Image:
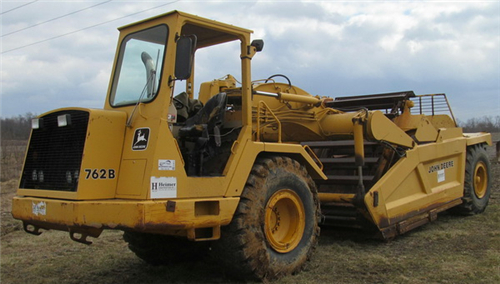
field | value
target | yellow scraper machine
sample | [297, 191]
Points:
[247, 169]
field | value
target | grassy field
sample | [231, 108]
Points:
[451, 250]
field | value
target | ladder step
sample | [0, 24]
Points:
[331, 218]
[342, 179]
[349, 160]
[336, 143]
[353, 178]
[340, 221]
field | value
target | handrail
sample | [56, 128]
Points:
[434, 106]
[313, 156]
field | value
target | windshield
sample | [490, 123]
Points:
[138, 70]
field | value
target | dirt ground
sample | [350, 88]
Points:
[452, 249]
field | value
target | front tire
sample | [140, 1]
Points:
[275, 228]
[477, 183]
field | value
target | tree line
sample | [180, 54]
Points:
[485, 123]
[18, 127]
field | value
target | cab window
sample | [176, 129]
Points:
[139, 67]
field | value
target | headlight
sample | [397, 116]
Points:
[63, 120]
[36, 123]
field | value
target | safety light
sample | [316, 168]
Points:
[69, 179]
[36, 123]
[41, 177]
[63, 120]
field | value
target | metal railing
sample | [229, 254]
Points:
[432, 104]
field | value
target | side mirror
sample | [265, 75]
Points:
[258, 44]
[184, 57]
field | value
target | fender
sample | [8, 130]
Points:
[251, 151]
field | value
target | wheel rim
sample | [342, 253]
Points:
[480, 180]
[285, 220]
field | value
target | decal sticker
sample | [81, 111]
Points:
[163, 187]
[441, 166]
[100, 173]
[141, 139]
[39, 208]
[441, 176]
[166, 165]
[171, 117]
[440, 169]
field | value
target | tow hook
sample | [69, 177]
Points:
[80, 236]
[31, 229]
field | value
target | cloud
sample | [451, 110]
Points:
[333, 48]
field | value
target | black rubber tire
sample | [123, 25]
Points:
[244, 249]
[472, 203]
[161, 249]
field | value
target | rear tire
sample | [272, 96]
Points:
[274, 230]
[158, 249]
[477, 183]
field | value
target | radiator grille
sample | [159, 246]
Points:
[55, 153]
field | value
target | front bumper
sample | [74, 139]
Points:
[197, 219]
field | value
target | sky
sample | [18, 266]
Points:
[60, 53]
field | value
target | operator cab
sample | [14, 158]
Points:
[207, 126]
[154, 77]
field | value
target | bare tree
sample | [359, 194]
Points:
[485, 123]
[16, 128]
[15, 132]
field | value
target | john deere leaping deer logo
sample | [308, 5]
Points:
[141, 138]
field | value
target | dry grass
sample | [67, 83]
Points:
[451, 250]
[11, 160]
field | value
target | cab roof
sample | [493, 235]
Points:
[208, 32]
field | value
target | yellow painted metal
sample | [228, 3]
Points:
[441, 121]
[298, 153]
[338, 124]
[210, 89]
[480, 179]
[149, 215]
[476, 138]
[102, 151]
[113, 147]
[263, 107]
[284, 221]
[381, 128]
[425, 131]
[450, 133]
[163, 145]
[336, 197]
[313, 156]
[428, 177]
[298, 98]
[131, 178]
[359, 148]
[250, 150]
[302, 122]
